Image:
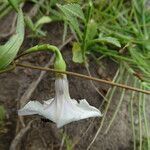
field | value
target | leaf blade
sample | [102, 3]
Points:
[9, 50]
[73, 9]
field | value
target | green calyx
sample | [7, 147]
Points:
[59, 63]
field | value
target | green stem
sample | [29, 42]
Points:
[107, 107]
[84, 43]
[59, 63]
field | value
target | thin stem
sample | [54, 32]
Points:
[140, 121]
[25, 53]
[59, 62]
[132, 115]
[117, 109]
[145, 122]
[84, 43]
[111, 91]
[105, 112]
[94, 86]
[85, 77]
[44, 47]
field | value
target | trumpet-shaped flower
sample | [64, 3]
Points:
[61, 109]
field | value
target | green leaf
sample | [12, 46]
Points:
[140, 59]
[91, 30]
[77, 53]
[15, 4]
[2, 114]
[29, 23]
[9, 50]
[72, 9]
[73, 1]
[110, 40]
[42, 20]
[75, 26]
[73, 22]
[53, 3]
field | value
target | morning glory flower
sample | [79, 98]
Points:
[61, 109]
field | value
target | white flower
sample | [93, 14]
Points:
[61, 109]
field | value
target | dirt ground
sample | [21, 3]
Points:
[45, 135]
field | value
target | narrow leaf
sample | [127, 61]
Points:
[110, 40]
[15, 4]
[11, 48]
[29, 23]
[43, 20]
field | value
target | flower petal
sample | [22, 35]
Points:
[48, 102]
[34, 107]
[74, 111]
[61, 109]
[85, 105]
[31, 108]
